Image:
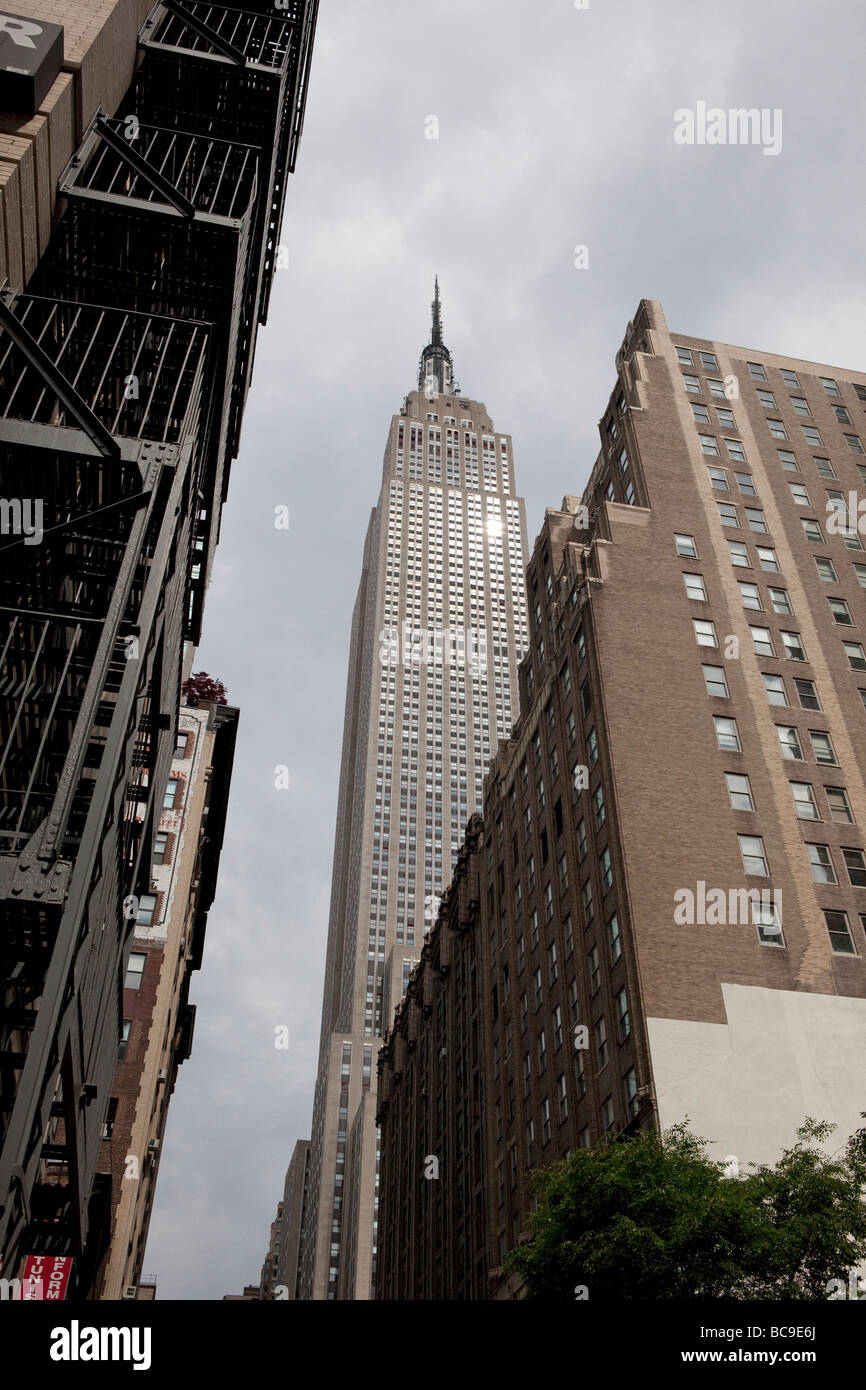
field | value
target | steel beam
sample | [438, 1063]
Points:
[56, 381]
[158, 182]
[228, 50]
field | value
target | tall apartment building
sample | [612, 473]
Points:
[438, 627]
[141, 193]
[294, 1221]
[662, 912]
[168, 944]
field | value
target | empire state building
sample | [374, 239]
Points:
[438, 631]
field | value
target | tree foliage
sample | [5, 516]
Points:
[201, 686]
[651, 1217]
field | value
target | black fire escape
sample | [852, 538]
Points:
[124, 370]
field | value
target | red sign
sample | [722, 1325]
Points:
[46, 1276]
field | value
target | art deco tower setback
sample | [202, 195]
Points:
[438, 630]
[661, 915]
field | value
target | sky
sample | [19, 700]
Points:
[554, 129]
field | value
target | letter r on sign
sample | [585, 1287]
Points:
[20, 31]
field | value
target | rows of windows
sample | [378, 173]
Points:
[795, 744]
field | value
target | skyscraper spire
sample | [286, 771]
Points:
[436, 340]
[436, 372]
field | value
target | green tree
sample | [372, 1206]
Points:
[650, 1217]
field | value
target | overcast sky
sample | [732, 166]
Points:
[555, 130]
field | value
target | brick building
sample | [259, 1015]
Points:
[158, 1020]
[662, 911]
[143, 175]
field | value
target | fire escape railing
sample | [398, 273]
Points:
[124, 371]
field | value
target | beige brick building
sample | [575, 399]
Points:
[663, 911]
[100, 45]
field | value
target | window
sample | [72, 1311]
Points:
[854, 444]
[807, 693]
[781, 602]
[824, 467]
[756, 519]
[801, 405]
[856, 656]
[604, 866]
[762, 640]
[841, 612]
[592, 747]
[601, 1043]
[542, 1053]
[841, 414]
[822, 747]
[860, 571]
[829, 385]
[839, 932]
[691, 383]
[598, 804]
[790, 378]
[171, 789]
[727, 734]
[840, 806]
[684, 357]
[715, 681]
[146, 909]
[794, 649]
[788, 461]
[709, 444]
[705, 632]
[750, 596]
[813, 436]
[766, 399]
[708, 361]
[594, 970]
[777, 429]
[717, 389]
[581, 842]
[812, 530]
[608, 1118]
[124, 1039]
[799, 494]
[768, 560]
[614, 940]
[160, 845]
[726, 417]
[775, 688]
[686, 546]
[826, 570]
[804, 801]
[855, 863]
[735, 451]
[135, 970]
[728, 514]
[621, 1000]
[701, 414]
[552, 967]
[586, 899]
[632, 1104]
[822, 864]
[756, 371]
[789, 741]
[754, 858]
[739, 792]
[746, 484]
[719, 479]
[739, 554]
